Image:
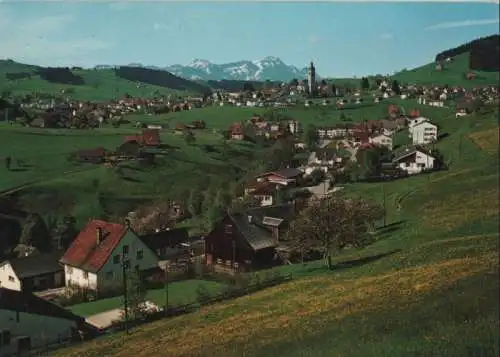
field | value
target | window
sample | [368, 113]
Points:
[70, 270]
[85, 275]
[125, 250]
[228, 229]
[109, 275]
[11, 278]
[116, 259]
[139, 254]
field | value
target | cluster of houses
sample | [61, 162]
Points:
[84, 114]
[102, 252]
[258, 126]
[365, 135]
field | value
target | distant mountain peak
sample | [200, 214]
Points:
[268, 68]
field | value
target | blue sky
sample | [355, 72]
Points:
[343, 39]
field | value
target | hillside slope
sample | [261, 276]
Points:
[427, 287]
[95, 84]
[453, 74]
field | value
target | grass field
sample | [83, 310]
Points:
[99, 85]
[453, 74]
[57, 187]
[179, 293]
[428, 287]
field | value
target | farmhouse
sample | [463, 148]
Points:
[285, 177]
[32, 273]
[414, 161]
[168, 244]
[149, 137]
[95, 258]
[247, 241]
[382, 140]
[424, 133]
[29, 322]
[94, 156]
[263, 192]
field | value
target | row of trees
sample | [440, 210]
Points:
[333, 223]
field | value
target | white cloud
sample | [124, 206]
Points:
[314, 39]
[34, 41]
[387, 36]
[464, 23]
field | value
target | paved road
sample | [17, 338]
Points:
[107, 318]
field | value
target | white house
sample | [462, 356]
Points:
[414, 161]
[415, 121]
[32, 273]
[382, 140]
[29, 322]
[95, 258]
[424, 133]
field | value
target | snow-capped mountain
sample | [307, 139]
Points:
[268, 68]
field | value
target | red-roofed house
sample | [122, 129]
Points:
[149, 137]
[94, 259]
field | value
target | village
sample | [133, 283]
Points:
[251, 235]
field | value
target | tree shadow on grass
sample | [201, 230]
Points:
[354, 262]
[18, 169]
[131, 179]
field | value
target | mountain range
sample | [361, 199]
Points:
[268, 68]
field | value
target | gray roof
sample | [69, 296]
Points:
[273, 222]
[36, 265]
[288, 173]
[258, 238]
[284, 212]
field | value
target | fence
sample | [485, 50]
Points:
[232, 293]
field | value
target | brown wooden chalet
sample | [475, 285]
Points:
[247, 241]
[94, 156]
[149, 137]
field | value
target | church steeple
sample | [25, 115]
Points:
[311, 79]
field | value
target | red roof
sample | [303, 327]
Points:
[151, 136]
[86, 254]
[133, 138]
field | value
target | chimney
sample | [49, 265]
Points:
[99, 235]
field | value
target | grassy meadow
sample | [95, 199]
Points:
[453, 74]
[179, 293]
[427, 287]
[102, 84]
[52, 185]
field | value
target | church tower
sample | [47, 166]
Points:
[311, 79]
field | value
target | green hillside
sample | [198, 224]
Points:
[102, 84]
[427, 287]
[453, 74]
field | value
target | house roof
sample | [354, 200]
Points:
[272, 222]
[167, 238]
[257, 237]
[284, 211]
[264, 188]
[409, 153]
[35, 265]
[151, 136]
[86, 254]
[287, 173]
[14, 300]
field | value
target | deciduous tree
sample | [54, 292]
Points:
[330, 224]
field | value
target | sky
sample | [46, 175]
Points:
[343, 39]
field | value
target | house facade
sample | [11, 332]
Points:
[382, 140]
[95, 259]
[32, 273]
[415, 161]
[29, 322]
[424, 133]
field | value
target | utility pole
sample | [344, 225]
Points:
[385, 204]
[234, 253]
[166, 289]
[125, 265]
